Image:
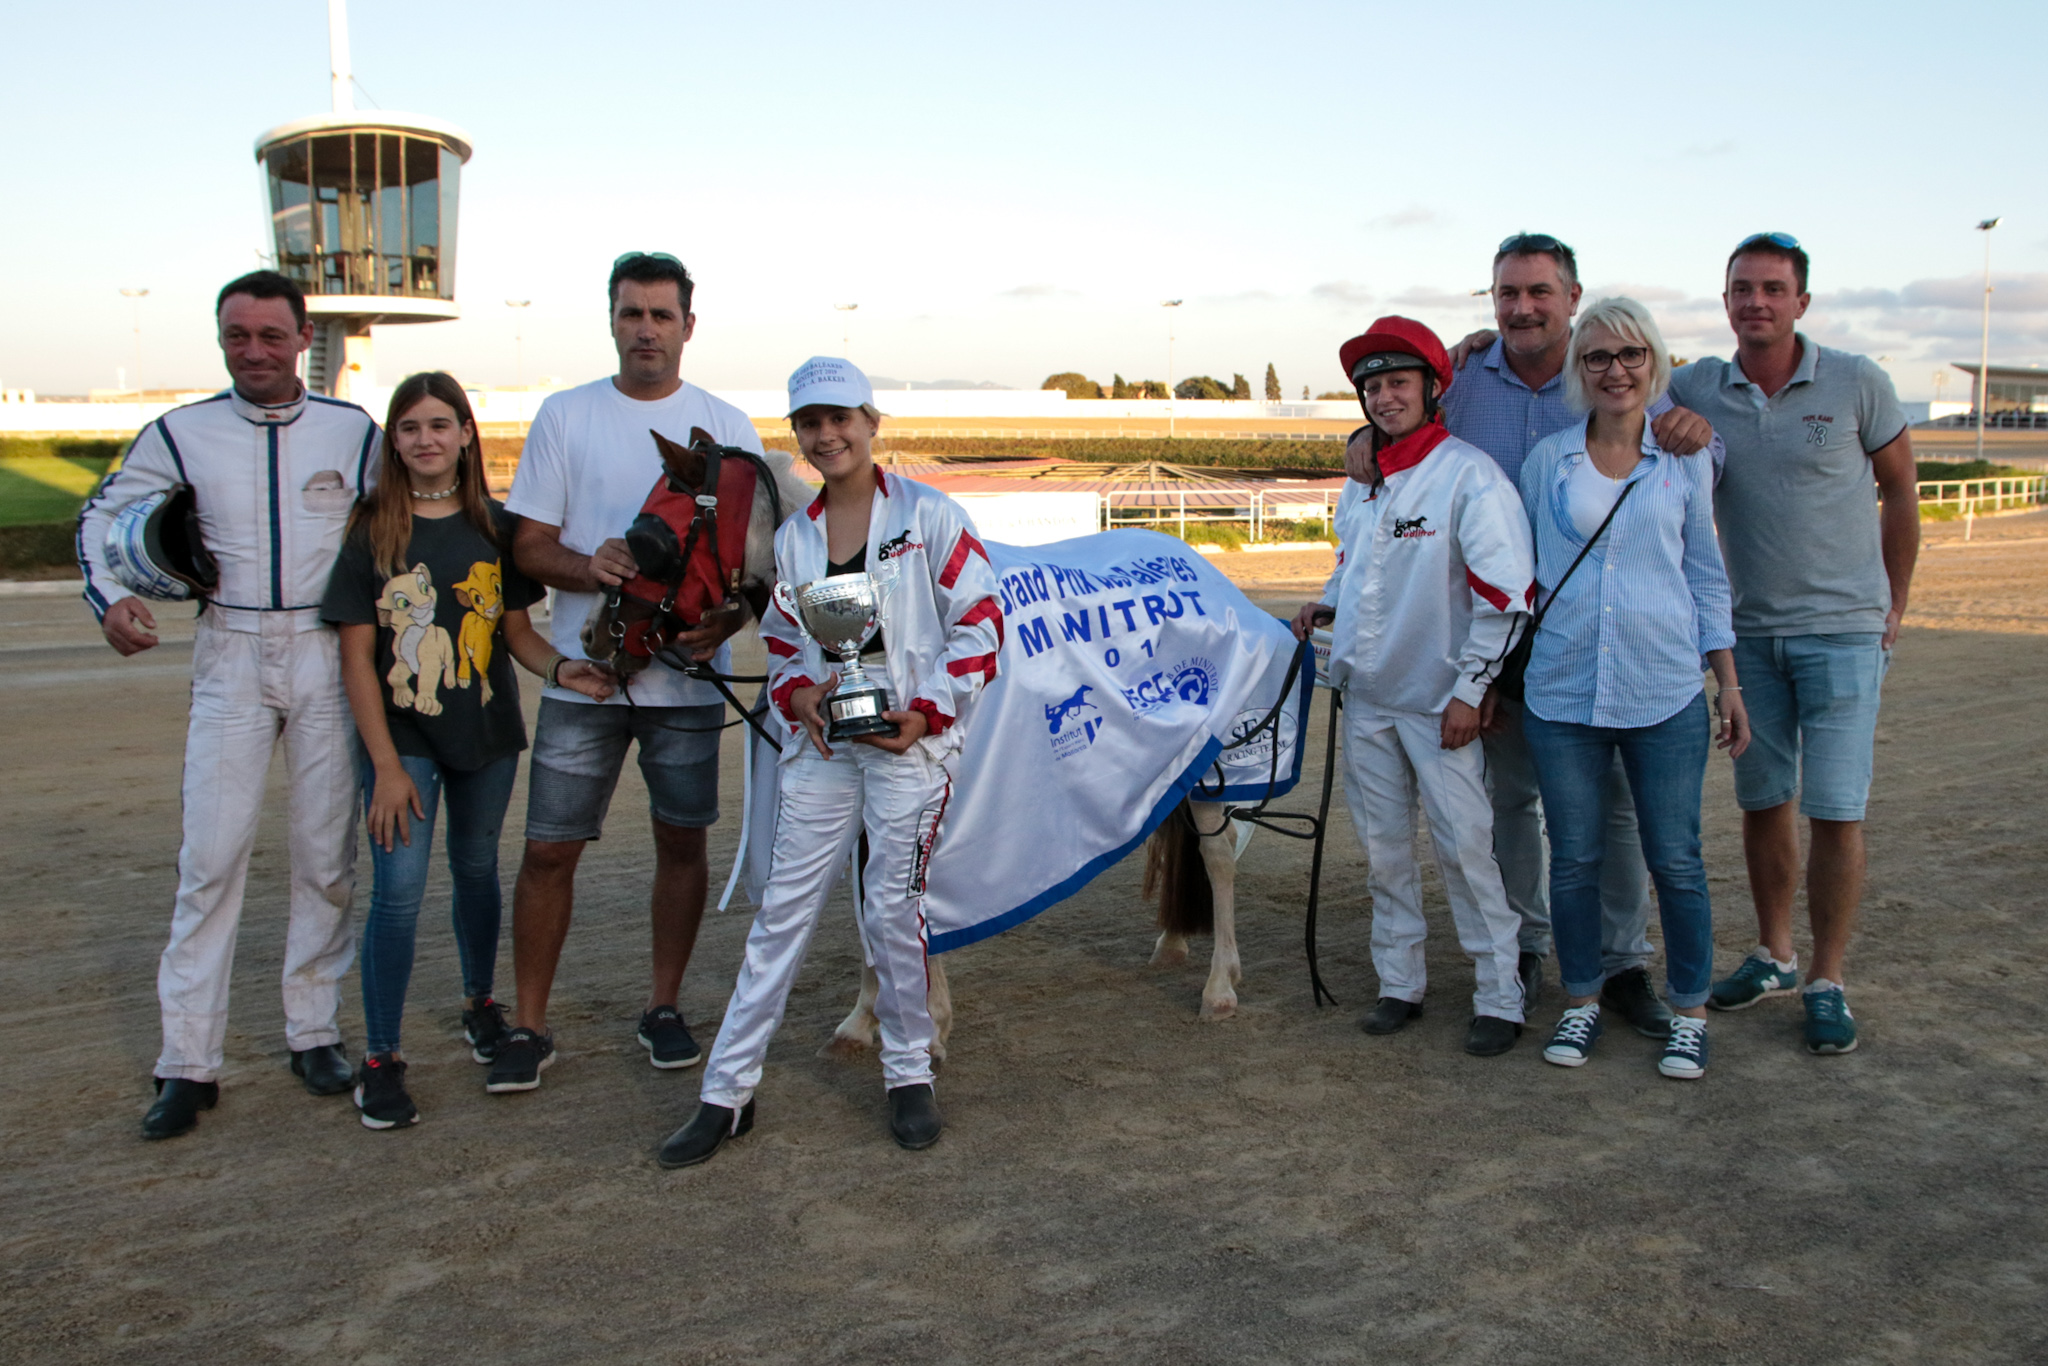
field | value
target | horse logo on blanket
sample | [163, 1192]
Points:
[1056, 715]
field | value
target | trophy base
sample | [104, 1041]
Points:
[852, 730]
[858, 713]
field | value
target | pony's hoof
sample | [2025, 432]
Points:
[1220, 1009]
[845, 1048]
[1170, 955]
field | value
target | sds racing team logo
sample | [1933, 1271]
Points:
[1192, 681]
[1067, 741]
[1249, 741]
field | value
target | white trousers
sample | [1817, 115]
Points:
[1389, 757]
[248, 690]
[901, 800]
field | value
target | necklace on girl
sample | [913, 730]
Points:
[448, 492]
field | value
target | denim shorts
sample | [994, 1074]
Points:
[1813, 719]
[579, 749]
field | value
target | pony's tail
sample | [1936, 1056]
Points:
[1175, 873]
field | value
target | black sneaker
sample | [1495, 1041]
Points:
[1628, 993]
[380, 1093]
[521, 1058]
[669, 1045]
[484, 1026]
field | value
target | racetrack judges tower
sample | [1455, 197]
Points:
[362, 213]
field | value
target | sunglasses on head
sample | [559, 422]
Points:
[1532, 241]
[1776, 239]
[630, 257]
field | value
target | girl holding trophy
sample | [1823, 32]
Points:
[888, 569]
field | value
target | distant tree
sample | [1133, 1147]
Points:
[1119, 389]
[1334, 396]
[1240, 387]
[1077, 385]
[1153, 389]
[1304, 393]
[1199, 386]
[1272, 384]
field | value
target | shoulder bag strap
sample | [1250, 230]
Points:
[1591, 541]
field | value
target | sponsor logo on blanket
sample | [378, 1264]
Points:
[1190, 681]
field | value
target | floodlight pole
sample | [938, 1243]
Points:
[1984, 351]
[135, 298]
[846, 340]
[1169, 303]
[518, 340]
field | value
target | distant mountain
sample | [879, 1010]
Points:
[884, 382]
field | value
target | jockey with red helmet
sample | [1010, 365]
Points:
[1432, 585]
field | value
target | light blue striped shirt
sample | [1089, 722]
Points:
[1623, 646]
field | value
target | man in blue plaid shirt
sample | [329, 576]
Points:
[1509, 395]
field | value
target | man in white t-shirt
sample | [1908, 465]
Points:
[586, 470]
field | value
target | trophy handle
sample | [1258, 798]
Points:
[785, 598]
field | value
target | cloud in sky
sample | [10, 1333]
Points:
[1031, 293]
[1423, 296]
[1342, 292]
[1642, 294]
[1414, 216]
[2026, 293]
[1700, 150]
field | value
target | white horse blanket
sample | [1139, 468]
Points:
[1132, 674]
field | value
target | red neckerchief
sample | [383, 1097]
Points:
[1408, 452]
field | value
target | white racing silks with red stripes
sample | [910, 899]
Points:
[1433, 583]
[940, 620]
[1129, 673]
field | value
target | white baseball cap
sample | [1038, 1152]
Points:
[829, 381]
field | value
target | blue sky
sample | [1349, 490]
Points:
[1010, 192]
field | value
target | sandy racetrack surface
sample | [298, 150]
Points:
[1118, 1179]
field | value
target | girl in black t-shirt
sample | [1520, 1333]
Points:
[431, 613]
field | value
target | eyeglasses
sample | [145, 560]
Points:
[1776, 239]
[1532, 241]
[630, 257]
[1600, 362]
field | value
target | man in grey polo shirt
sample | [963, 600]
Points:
[1820, 569]
[1508, 396]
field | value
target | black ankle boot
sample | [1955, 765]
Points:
[704, 1135]
[914, 1116]
[178, 1103]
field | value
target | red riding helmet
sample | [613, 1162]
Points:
[1395, 343]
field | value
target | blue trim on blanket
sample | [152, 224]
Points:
[1052, 896]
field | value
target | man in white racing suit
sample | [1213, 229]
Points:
[1431, 588]
[942, 629]
[275, 472]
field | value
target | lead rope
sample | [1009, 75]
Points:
[1315, 827]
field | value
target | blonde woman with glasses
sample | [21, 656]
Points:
[1635, 603]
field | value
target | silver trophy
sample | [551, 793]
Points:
[842, 613]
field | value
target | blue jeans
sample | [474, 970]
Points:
[1813, 721]
[476, 815]
[1518, 845]
[1666, 764]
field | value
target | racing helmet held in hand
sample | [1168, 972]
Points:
[155, 551]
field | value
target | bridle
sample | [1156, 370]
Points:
[707, 572]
